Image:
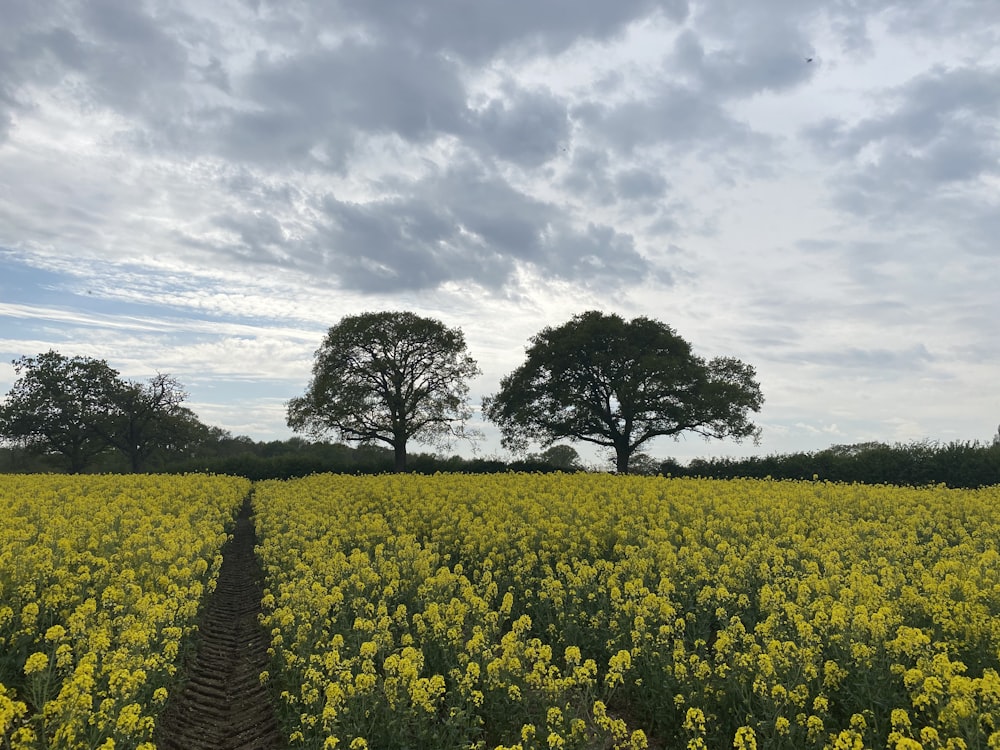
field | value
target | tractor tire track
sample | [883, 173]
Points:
[222, 705]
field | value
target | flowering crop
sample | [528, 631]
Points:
[101, 578]
[556, 611]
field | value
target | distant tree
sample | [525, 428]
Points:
[564, 457]
[60, 406]
[219, 442]
[671, 467]
[618, 384]
[149, 418]
[643, 464]
[79, 408]
[388, 377]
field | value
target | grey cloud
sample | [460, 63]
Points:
[852, 33]
[119, 54]
[936, 19]
[479, 31]
[216, 74]
[642, 192]
[8, 105]
[773, 339]
[980, 354]
[397, 68]
[785, 25]
[882, 361]
[323, 99]
[463, 225]
[280, 139]
[132, 57]
[261, 236]
[63, 47]
[958, 159]
[30, 53]
[527, 127]
[750, 63]
[640, 185]
[599, 255]
[401, 244]
[940, 129]
[665, 224]
[978, 223]
[930, 105]
[255, 191]
[589, 175]
[637, 190]
[676, 115]
[488, 206]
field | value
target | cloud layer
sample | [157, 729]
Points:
[811, 186]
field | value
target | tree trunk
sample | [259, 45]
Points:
[400, 455]
[622, 454]
[77, 459]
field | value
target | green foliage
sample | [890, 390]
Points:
[78, 411]
[149, 418]
[60, 406]
[956, 464]
[618, 384]
[388, 377]
[562, 457]
[295, 457]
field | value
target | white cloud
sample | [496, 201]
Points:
[256, 171]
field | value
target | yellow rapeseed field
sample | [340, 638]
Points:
[101, 578]
[590, 611]
[516, 611]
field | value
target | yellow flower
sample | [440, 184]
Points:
[55, 633]
[808, 588]
[37, 662]
[745, 739]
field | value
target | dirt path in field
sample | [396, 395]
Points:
[221, 704]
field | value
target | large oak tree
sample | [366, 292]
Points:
[388, 377]
[60, 406]
[615, 383]
[149, 418]
[78, 408]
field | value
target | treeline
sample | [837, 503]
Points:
[219, 452]
[390, 378]
[294, 458]
[967, 464]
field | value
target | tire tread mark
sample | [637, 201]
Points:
[222, 705]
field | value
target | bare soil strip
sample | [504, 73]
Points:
[222, 705]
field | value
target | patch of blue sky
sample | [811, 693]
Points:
[24, 283]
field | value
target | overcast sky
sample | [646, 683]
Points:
[812, 186]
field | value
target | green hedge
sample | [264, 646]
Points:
[955, 464]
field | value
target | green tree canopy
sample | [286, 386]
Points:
[60, 406]
[563, 457]
[149, 418]
[618, 384]
[388, 377]
[78, 408]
